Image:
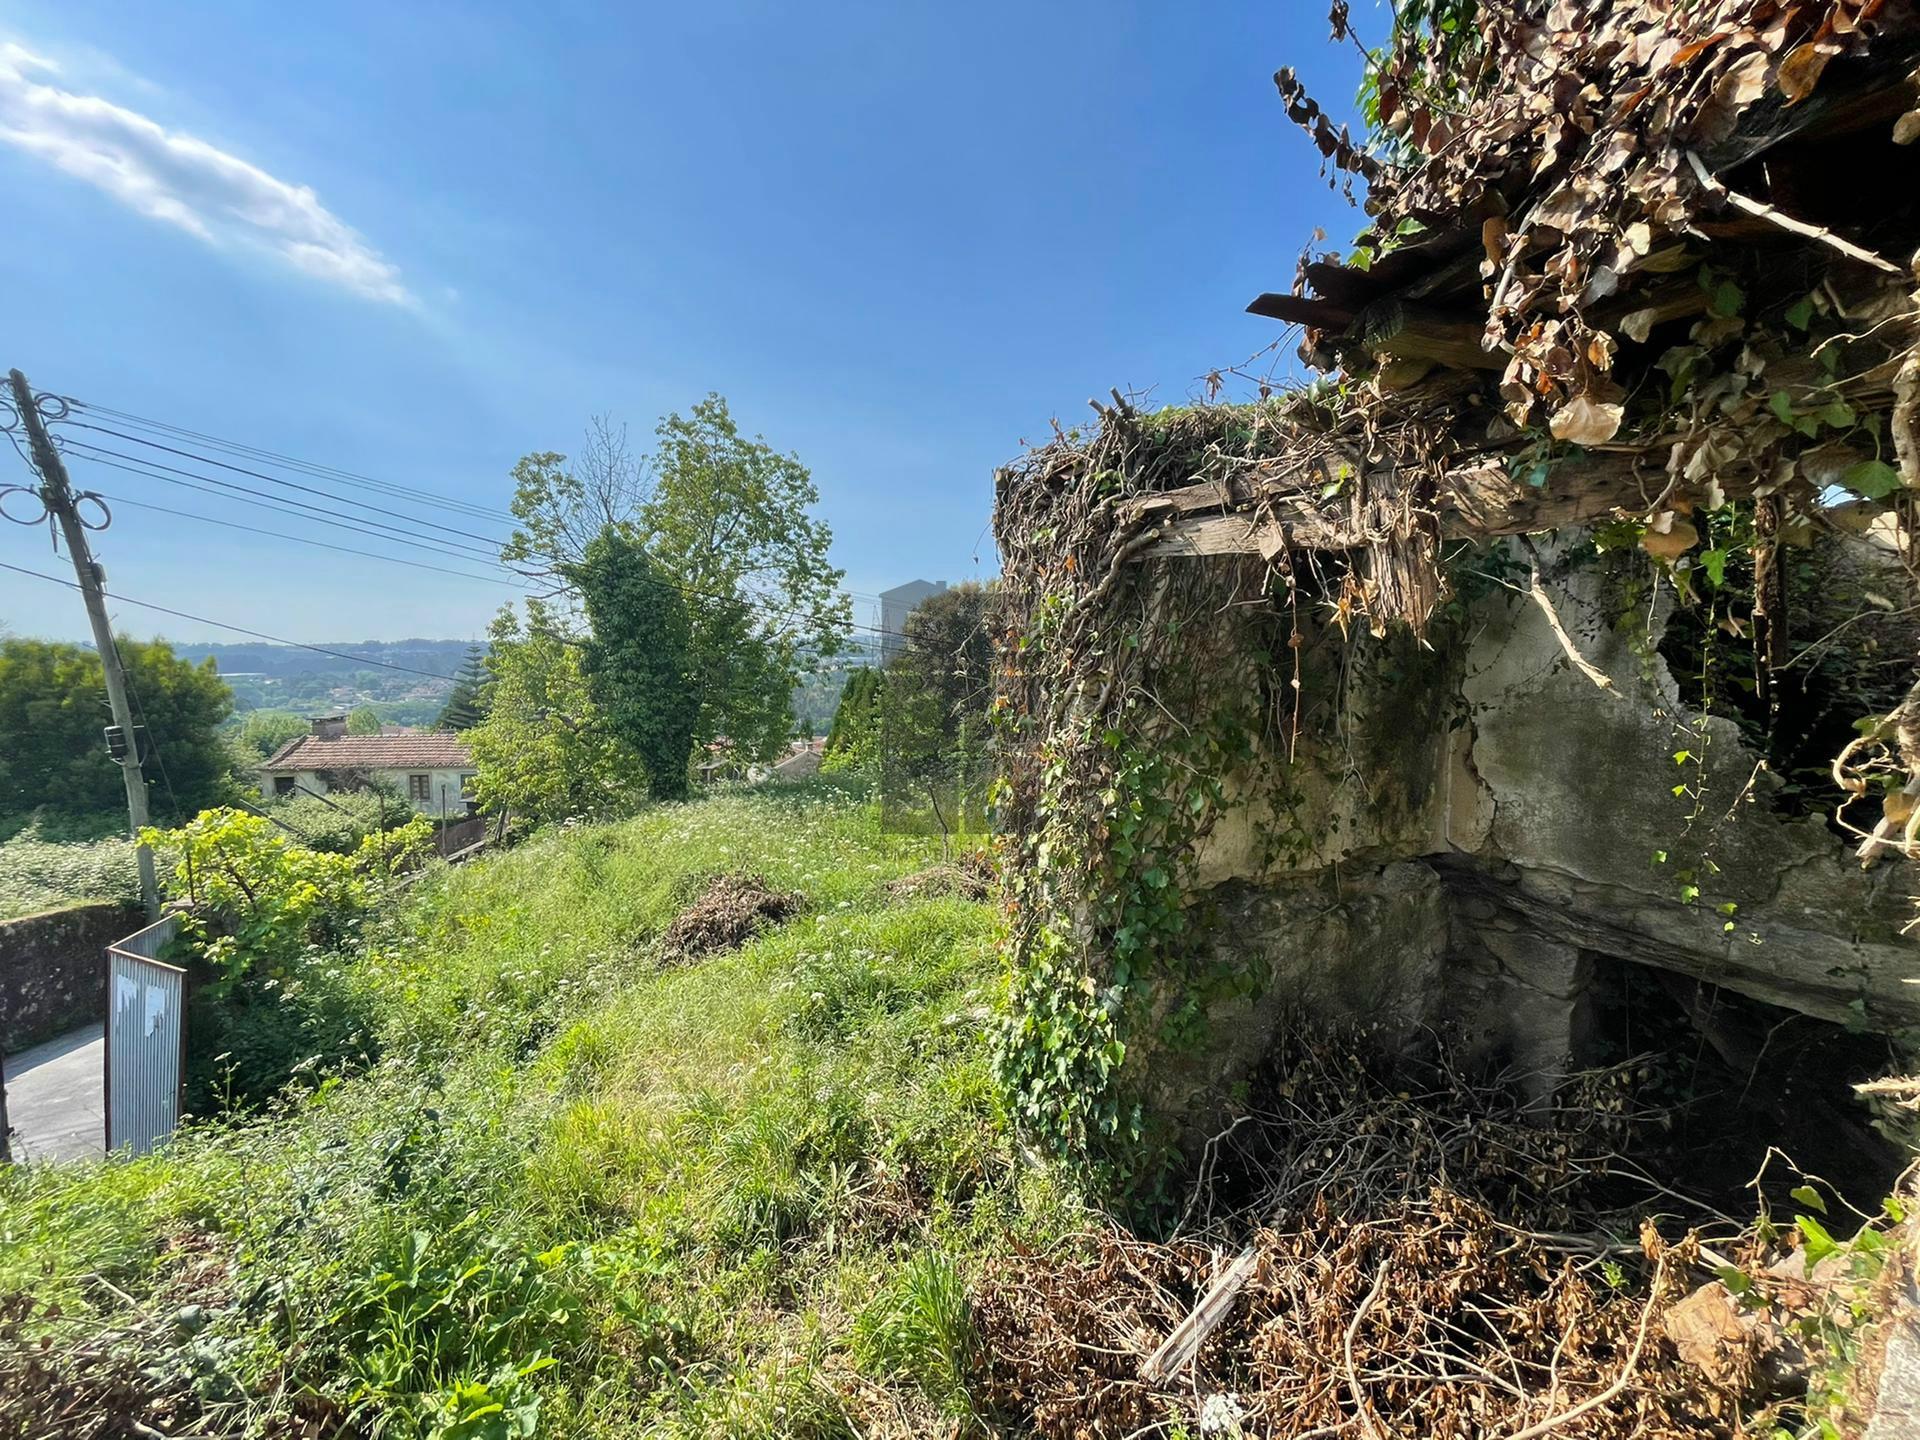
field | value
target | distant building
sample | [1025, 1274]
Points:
[895, 605]
[432, 768]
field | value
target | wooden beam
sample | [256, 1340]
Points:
[1298, 310]
[1407, 331]
[1473, 502]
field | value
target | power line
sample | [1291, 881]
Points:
[450, 548]
[489, 540]
[297, 508]
[303, 540]
[305, 467]
[493, 540]
[237, 629]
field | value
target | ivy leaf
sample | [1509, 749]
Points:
[1800, 314]
[1727, 299]
[1781, 404]
[1819, 1244]
[1714, 562]
[1838, 414]
[1871, 479]
[1808, 1196]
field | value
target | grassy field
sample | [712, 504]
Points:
[580, 1192]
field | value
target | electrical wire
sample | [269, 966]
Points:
[319, 544]
[236, 629]
[309, 467]
[297, 508]
[450, 548]
[492, 540]
[306, 467]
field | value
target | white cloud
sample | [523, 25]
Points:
[184, 181]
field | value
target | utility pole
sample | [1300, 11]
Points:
[58, 498]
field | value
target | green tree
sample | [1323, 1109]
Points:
[265, 731]
[728, 520]
[545, 750]
[933, 711]
[53, 709]
[853, 740]
[363, 720]
[466, 707]
[636, 659]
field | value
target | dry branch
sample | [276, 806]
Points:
[1761, 211]
[1191, 1333]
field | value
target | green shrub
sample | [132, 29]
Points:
[39, 871]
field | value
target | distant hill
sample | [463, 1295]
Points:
[441, 657]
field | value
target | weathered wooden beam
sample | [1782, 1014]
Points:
[1403, 330]
[1474, 501]
[1298, 310]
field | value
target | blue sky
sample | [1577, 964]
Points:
[418, 241]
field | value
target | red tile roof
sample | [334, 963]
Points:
[422, 750]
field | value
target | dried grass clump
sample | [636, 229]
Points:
[730, 911]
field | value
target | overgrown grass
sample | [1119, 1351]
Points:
[581, 1191]
[41, 868]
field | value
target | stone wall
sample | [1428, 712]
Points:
[1475, 854]
[53, 970]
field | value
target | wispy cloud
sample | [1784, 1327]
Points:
[182, 180]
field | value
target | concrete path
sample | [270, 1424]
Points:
[55, 1099]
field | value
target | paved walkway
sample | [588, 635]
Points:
[55, 1100]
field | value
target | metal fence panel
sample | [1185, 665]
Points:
[146, 1040]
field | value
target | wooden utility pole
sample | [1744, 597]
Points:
[58, 497]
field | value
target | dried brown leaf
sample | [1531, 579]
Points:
[1586, 421]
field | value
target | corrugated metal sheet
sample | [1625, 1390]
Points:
[146, 1040]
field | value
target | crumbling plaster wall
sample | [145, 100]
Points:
[1484, 842]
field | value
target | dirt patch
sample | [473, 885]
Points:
[970, 877]
[729, 912]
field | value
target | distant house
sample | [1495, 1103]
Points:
[801, 760]
[895, 605]
[432, 768]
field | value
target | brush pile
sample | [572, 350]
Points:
[730, 911]
[1435, 1263]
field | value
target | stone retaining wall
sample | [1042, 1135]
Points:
[53, 970]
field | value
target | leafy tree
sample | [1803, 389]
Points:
[636, 660]
[545, 750]
[933, 711]
[363, 720]
[53, 708]
[853, 739]
[466, 707]
[949, 649]
[265, 731]
[727, 520]
[562, 508]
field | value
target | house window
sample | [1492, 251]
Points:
[419, 787]
[283, 785]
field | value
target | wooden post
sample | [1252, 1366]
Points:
[58, 498]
